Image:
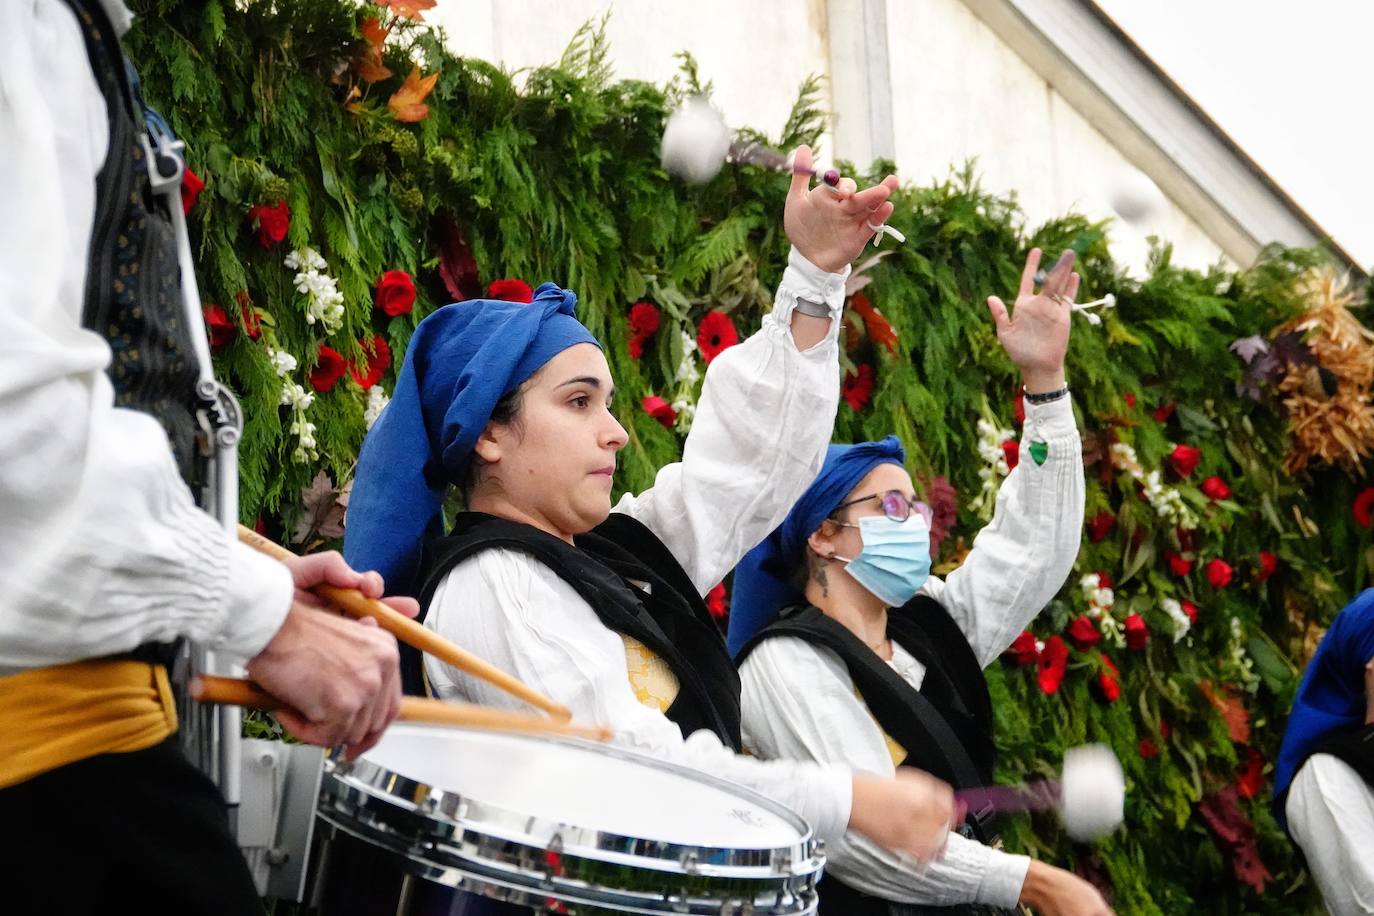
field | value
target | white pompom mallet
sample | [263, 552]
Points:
[696, 144]
[1090, 796]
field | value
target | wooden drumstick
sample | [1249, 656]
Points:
[209, 688]
[356, 604]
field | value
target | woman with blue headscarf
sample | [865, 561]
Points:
[1324, 782]
[602, 610]
[850, 652]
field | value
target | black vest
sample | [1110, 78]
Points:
[1354, 746]
[946, 727]
[133, 280]
[604, 568]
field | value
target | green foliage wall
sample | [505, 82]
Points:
[553, 175]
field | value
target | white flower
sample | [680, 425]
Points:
[1181, 622]
[296, 396]
[283, 362]
[376, 401]
[1039, 646]
[1090, 582]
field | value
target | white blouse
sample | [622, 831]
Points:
[1330, 812]
[800, 703]
[757, 441]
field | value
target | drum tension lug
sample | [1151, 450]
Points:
[688, 861]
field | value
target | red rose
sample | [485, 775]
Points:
[1364, 508]
[1191, 610]
[272, 222]
[1250, 777]
[716, 333]
[1053, 662]
[1268, 564]
[644, 318]
[1104, 579]
[644, 324]
[1162, 414]
[715, 602]
[191, 186]
[1137, 634]
[1083, 633]
[1130, 399]
[1164, 730]
[219, 327]
[1219, 573]
[1019, 408]
[1108, 682]
[1184, 460]
[1100, 526]
[1022, 649]
[1180, 566]
[252, 319]
[378, 361]
[1215, 488]
[858, 388]
[328, 369]
[1011, 449]
[395, 293]
[1147, 749]
[510, 291]
[660, 410]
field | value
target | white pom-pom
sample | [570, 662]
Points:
[1135, 197]
[1092, 792]
[695, 141]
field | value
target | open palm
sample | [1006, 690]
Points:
[1036, 333]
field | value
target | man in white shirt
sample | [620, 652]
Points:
[105, 559]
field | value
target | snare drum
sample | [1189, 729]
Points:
[449, 821]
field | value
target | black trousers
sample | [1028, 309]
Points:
[143, 832]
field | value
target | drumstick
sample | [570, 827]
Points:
[356, 604]
[209, 688]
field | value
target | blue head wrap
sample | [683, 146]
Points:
[763, 579]
[461, 361]
[1331, 695]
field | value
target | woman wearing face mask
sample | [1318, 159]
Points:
[851, 653]
[603, 610]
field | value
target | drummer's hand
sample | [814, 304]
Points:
[338, 678]
[1053, 891]
[329, 568]
[910, 813]
[830, 227]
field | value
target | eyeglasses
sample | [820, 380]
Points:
[896, 506]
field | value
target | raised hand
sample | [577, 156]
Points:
[1036, 334]
[830, 227]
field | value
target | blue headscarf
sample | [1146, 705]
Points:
[1331, 696]
[461, 361]
[763, 579]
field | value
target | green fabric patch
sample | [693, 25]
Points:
[1039, 452]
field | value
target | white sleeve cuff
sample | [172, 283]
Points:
[1052, 419]
[260, 594]
[804, 280]
[1003, 879]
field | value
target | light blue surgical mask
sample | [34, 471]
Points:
[895, 560]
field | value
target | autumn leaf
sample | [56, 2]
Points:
[408, 9]
[370, 66]
[323, 514]
[1231, 709]
[407, 103]
[878, 328]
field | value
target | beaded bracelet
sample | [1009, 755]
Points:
[1047, 396]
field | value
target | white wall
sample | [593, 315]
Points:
[956, 91]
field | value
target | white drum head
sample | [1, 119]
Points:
[607, 789]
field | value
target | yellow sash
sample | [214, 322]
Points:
[61, 714]
[654, 683]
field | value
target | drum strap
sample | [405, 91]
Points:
[58, 715]
[607, 568]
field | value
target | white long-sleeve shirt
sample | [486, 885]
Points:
[101, 545]
[757, 442]
[1330, 812]
[799, 702]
